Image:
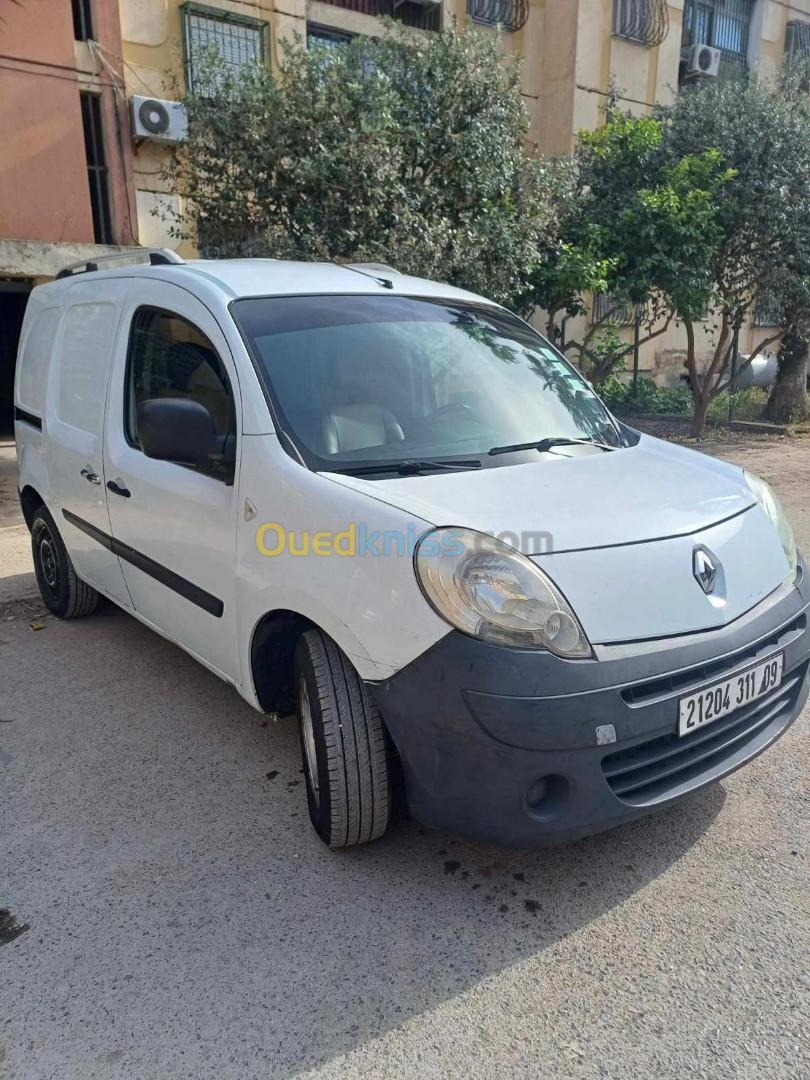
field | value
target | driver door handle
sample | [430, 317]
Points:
[117, 487]
[90, 476]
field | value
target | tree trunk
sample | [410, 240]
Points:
[788, 400]
[700, 393]
[702, 401]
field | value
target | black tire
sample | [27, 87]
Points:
[64, 594]
[349, 784]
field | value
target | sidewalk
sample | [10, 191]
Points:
[17, 580]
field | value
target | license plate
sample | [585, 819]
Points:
[722, 698]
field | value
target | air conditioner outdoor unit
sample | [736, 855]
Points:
[703, 60]
[162, 121]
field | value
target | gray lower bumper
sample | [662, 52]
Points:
[507, 745]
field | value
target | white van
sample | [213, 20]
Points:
[392, 507]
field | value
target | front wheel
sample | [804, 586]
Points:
[65, 595]
[344, 745]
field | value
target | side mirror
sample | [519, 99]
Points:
[177, 429]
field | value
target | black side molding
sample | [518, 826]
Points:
[28, 418]
[187, 589]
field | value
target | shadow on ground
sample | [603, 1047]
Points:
[160, 850]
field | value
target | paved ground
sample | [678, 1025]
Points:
[16, 579]
[184, 921]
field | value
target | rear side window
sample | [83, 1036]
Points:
[83, 364]
[34, 360]
[170, 358]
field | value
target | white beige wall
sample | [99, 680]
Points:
[570, 64]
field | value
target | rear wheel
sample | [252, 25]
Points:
[344, 745]
[64, 594]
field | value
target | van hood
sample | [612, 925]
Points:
[617, 532]
[576, 497]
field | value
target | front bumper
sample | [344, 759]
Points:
[508, 745]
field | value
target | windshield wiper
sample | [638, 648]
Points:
[410, 468]
[547, 444]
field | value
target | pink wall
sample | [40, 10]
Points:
[44, 191]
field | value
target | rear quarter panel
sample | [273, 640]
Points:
[37, 340]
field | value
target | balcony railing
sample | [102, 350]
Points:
[510, 15]
[644, 21]
[420, 16]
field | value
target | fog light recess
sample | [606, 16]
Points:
[547, 796]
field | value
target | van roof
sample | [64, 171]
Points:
[239, 278]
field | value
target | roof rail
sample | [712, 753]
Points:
[156, 256]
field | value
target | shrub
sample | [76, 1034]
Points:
[749, 404]
[650, 399]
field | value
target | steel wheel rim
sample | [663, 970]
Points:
[48, 563]
[308, 739]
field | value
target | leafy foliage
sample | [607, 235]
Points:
[761, 234]
[634, 223]
[605, 356]
[411, 150]
[649, 399]
[695, 210]
[393, 149]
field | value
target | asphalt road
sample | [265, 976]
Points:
[184, 922]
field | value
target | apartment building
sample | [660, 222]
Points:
[575, 54]
[66, 162]
[86, 135]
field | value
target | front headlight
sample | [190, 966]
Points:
[766, 497]
[485, 588]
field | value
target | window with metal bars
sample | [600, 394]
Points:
[420, 14]
[607, 307]
[767, 309]
[510, 15]
[324, 35]
[797, 41]
[645, 21]
[97, 173]
[237, 40]
[723, 24]
[82, 20]
[797, 51]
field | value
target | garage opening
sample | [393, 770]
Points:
[14, 293]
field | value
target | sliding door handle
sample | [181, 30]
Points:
[117, 487]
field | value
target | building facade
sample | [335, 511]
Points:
[82, 159]
[643, 51]
[576, 54]
[66, 184]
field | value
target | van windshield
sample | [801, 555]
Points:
[365, 381]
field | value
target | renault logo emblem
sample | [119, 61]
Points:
[704, 568]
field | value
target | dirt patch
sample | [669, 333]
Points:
[31, 609]
[677, 429]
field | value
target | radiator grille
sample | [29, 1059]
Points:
[695, 677]
[661, 768]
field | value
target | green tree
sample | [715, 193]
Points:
[396, 149]
[633, 224]
[760, 237]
